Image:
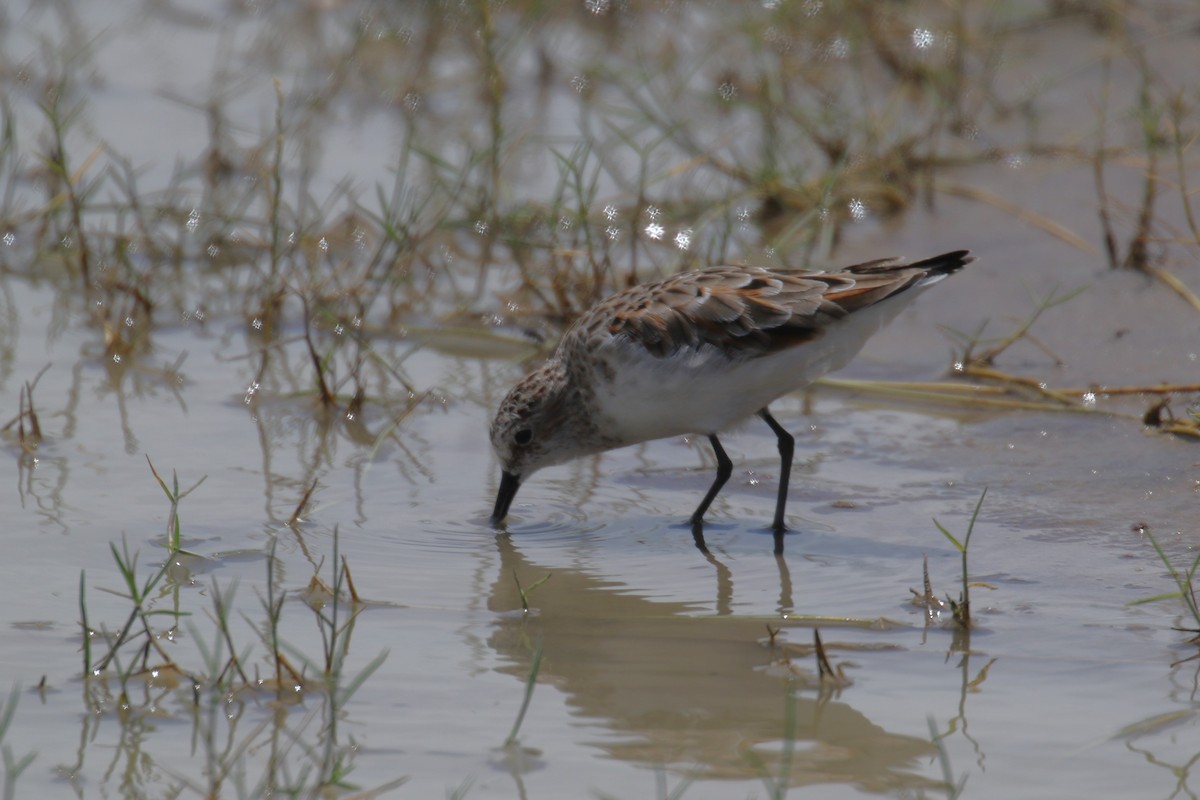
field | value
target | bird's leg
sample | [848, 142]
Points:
[787, 445]
[724, 470]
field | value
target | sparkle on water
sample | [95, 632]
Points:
[837, 49]
[922, 38]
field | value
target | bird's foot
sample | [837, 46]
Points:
[778, 531]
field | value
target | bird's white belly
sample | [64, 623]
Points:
[653, 398]
[705, 391]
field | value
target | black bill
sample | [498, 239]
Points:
[509, 483]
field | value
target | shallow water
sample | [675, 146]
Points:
[657, 670]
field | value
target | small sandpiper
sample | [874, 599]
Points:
[693, 354]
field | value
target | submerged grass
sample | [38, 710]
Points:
[221, 681]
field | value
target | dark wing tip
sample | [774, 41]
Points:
[946, 263]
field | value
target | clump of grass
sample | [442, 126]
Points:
[174, 497]
[525, 592]
[140, 625]
[142, 653]
[140, 594]
[961, 608]
[1162, 114]
[71, 189]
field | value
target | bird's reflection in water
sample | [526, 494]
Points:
[686, 691]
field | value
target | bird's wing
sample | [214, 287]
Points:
[751, 311]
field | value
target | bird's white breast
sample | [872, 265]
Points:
[640, 397]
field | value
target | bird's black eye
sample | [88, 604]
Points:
[523, 436]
